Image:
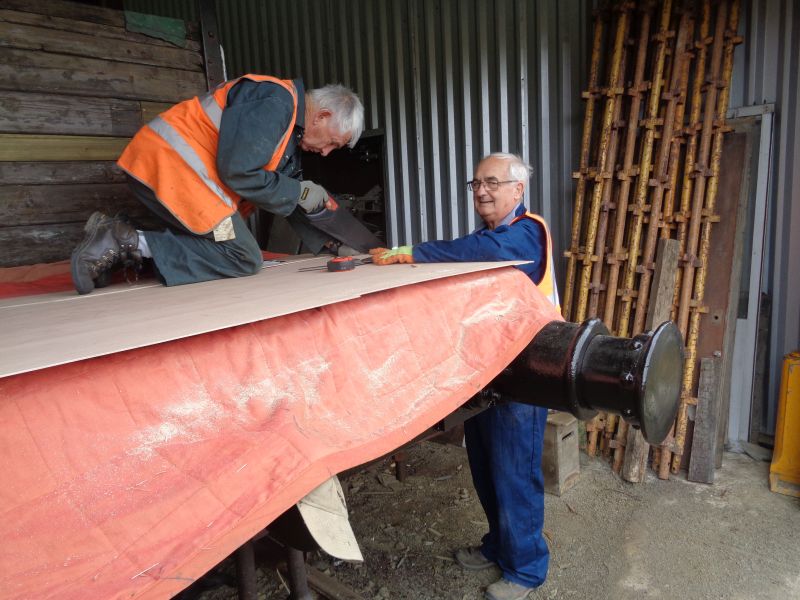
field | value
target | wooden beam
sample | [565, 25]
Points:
[95, 29]
[79, 12]
[150, 110]
[666, 271]
[34, 244]
[49, 204]
[30, 148]
[723, 276]
[329, 587]
[41, 173]
[35, 71]
[661, 296]
[56, 41]
[68, 10]
[704, 440]
[23, 112]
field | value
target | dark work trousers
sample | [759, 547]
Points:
[182, 257]
[504, 446]
[185, 257]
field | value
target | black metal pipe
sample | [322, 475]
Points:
[581, 368]
[246, 571]
[298, 576]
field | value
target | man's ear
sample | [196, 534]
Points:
[323, 114]
[520, 191]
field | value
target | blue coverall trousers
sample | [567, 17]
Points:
[504, 447]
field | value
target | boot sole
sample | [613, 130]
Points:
[89, 228]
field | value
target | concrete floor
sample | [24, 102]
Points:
[674, 539]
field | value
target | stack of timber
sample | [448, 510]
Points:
[647, 189]
[75, 86]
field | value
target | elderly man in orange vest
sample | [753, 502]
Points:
[193, 165]
[504, 442]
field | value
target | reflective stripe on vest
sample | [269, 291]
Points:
[187, 153]
[175, 156]
[212, 109]
[548, 283]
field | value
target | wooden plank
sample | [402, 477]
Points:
[704, 439]
[150, 110]
[173, 312]
[52, 204]
[31, 71]
[34, 244]
[55, 41]
[68, 10]
[23, 112]
[29, 148]
[723, 275]
[661, 296]
[80, 12]
[663, 284]
[329, 587]
[95, 29]
[39, 173]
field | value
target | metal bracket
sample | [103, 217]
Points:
[212, 50]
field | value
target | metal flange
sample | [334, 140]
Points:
[581, 368]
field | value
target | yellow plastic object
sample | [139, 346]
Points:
[784, 473]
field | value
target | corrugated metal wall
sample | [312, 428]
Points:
[767, 70]
[447, 80]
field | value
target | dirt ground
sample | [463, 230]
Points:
[608, 539]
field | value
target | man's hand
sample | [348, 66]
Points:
[312, 196]
[384, 256]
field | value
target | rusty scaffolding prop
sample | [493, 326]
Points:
[649, 168]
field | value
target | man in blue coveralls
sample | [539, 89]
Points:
[504, 442]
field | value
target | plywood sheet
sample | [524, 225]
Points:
[54, 329]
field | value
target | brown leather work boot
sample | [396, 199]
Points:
[108, 244]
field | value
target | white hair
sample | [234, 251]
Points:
[347, 112]
[518, 169]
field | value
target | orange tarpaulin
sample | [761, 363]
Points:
[133, 474]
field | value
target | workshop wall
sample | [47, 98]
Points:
[767, 71]
[76, 84]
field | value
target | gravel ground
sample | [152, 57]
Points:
[608, 539]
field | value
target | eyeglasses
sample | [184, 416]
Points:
[491, 185]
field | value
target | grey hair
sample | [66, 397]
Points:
[518, 169]
[347, 112]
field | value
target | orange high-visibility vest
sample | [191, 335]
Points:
[548, 283]
[175, 155]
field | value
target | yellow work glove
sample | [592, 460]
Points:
[384, 256]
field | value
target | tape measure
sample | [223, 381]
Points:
[341, 263]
